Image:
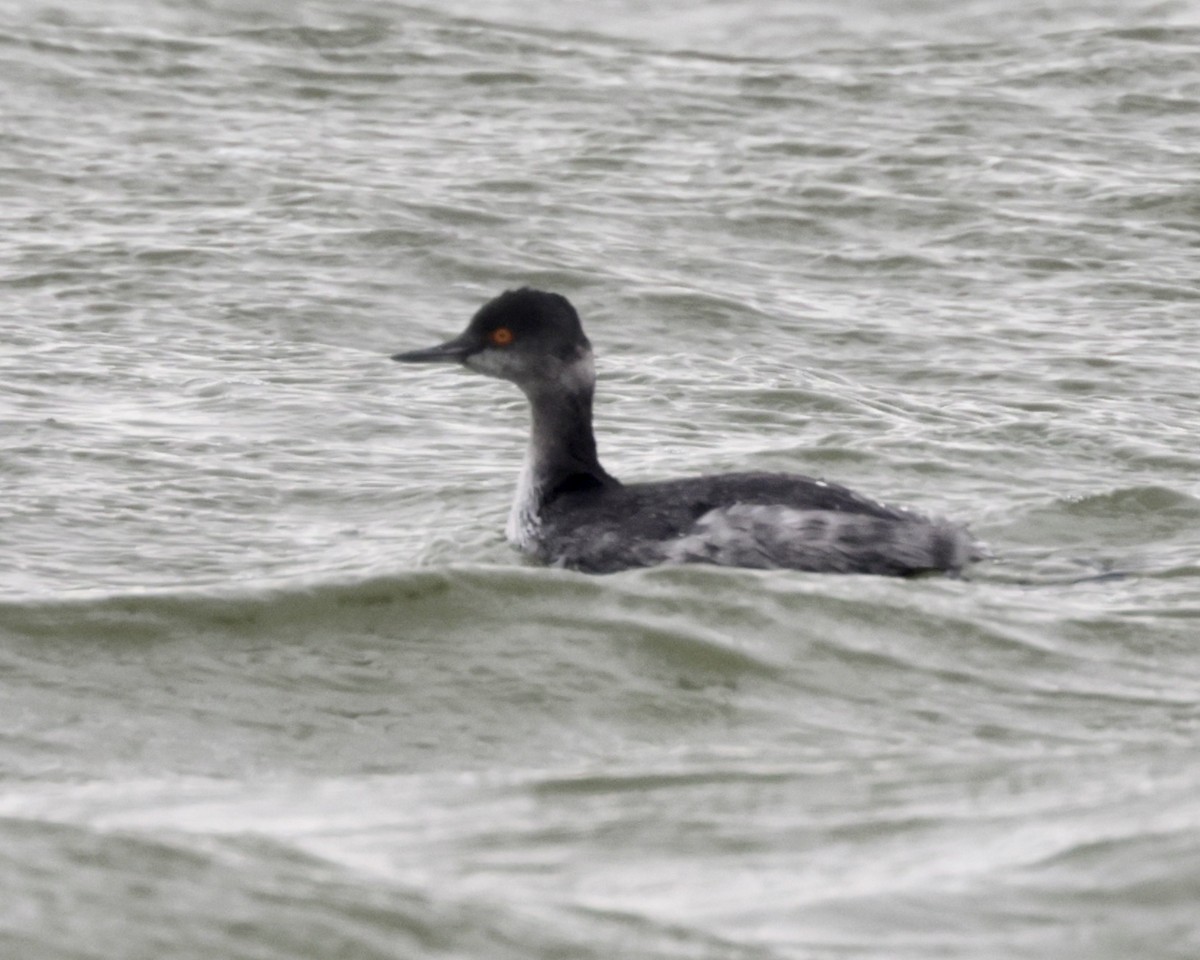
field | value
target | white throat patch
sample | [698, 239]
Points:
[523, 521]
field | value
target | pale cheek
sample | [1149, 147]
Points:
[579, 375]
[490, 363]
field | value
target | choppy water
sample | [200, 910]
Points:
[271, 684]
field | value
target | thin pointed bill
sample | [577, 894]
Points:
[452, 351]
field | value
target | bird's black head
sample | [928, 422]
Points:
[530, 337]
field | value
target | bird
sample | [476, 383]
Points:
[570, 512]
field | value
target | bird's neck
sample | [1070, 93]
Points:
[561, 457]
[562, 444]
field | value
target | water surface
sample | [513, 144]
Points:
[273, 685]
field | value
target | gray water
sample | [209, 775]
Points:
[273, 686]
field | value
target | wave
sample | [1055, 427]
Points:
[253, 896]
[1148, 528]
[671, 854]
[469, 662]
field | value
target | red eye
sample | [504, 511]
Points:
[501, 336]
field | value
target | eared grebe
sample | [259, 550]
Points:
[569, 511]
